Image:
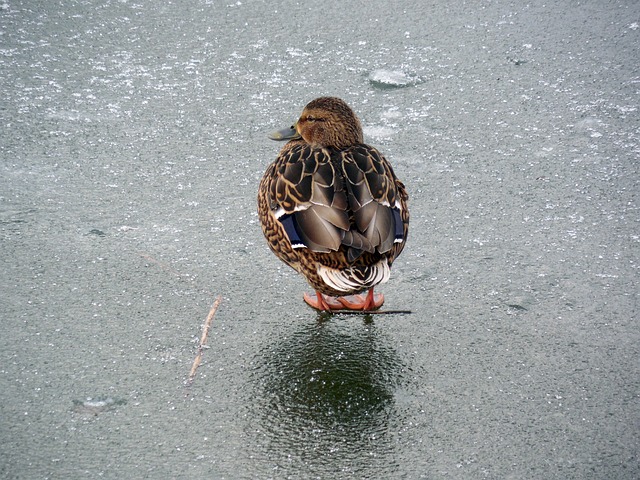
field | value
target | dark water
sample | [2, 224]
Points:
[133, 140]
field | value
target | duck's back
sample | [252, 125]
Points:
[337, 200]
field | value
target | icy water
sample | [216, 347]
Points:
[134, 134]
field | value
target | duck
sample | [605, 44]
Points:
[331, 207]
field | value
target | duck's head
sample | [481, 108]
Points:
[325, 122]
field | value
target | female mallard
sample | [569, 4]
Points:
[332, 208]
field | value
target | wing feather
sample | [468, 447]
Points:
[307, 187]
[353, 200]
[372, 193]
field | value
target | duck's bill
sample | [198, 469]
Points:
[286, 134]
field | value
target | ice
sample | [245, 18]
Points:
[392, 78]
[378, 131]
[134, 138]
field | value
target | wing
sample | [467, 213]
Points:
[374, 196]
[308, 198]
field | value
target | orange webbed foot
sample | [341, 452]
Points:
[359, 302]
[367, 302]
[322, 302]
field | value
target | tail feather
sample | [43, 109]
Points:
[355, 279]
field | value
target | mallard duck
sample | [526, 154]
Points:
[332, 208]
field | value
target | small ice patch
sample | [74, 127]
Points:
[391, 114]
[378, 131]
[97, 403]
[92, 407]
[588, 125]
[392, 78]
[296, 52]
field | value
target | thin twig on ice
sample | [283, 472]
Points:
[203, 341]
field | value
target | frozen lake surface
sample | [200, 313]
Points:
[134, 134]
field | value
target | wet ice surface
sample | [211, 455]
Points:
[133, 139]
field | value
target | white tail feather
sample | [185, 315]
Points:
[355, 279]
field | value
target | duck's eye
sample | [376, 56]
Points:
[311, 118]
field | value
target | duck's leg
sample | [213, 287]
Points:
[322, 302]
[361, 302]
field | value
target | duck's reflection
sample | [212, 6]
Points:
[325, 388]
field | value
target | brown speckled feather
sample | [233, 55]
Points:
[372, 189]
[305, 183]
